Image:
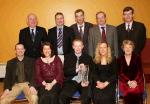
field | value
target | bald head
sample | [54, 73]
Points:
[32, 20]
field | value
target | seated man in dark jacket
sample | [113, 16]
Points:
[74, 64]
[19, 77]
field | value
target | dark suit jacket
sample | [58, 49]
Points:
[111, 37]
[10, 77]
[70, 64]
[68, 36]
[87, 26]
[137, 35]
[33, 49]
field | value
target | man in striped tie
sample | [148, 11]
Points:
[60, 36]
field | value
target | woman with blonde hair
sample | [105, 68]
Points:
[104, 75]
[131, 82]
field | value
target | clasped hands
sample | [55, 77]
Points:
[48, 86]
[101, 85]
[132, 84]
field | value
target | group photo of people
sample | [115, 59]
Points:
[99, 61]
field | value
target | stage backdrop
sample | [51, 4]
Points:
[13, 16]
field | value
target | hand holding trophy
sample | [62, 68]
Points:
[84, 72]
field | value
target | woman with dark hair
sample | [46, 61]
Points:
[131, 82]
[49, 75]
[104, 75]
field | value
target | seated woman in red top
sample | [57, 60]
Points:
[49, 75]
[131, 83]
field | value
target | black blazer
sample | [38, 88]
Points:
[33, 49]
[137, 34]
[70, 64]
[10, 77]
[87, 26]
[68, 36]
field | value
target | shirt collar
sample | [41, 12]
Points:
[80, 25]
[60, 27]
[126, 24]
[102, 26]
[32, 28]
[78, 55]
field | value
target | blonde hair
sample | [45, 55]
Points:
[129, 42]
[97, 58]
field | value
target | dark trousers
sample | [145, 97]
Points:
[70, 87]
[104, 96]
[49, 97]
[133, 99]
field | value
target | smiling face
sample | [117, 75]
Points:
[128, 16]
[78, 47]
[46, 51]
[128, 49]
[59, 20]
[19, 50]
[103, 49]
[32, 20]
[101, 19]
[79, 17]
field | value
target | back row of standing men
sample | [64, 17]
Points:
[61, 36]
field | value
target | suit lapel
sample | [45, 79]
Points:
[85, 30]
[64, 36]
[107, 32]
[29, 35]
[98, 33]
[55, 36]
[133, 26]
[36, 35]
[14, 66]
[76, 29]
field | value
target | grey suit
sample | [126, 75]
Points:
[111, 37]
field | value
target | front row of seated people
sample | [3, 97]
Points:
[55, 83]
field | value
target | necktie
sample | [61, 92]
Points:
[103, 34]
[77, 62]
[32, 34]
[60, 38]
[128, 28]
[80, 31]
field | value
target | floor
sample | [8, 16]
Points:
[147, 87]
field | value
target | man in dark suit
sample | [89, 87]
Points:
[81, 28]
[131, 30]
[103, 32]
[32, 37]
[60, 36]
[19, 77]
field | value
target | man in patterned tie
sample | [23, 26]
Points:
[60, 36]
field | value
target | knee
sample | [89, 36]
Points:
[85, 100]
[4, 101]
[53, 95]
[34, 99]
[62, 95]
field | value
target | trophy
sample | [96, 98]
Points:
[85, 72]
